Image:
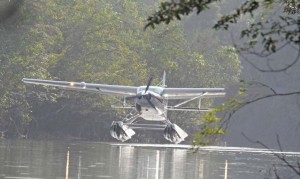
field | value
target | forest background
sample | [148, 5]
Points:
[105, 42]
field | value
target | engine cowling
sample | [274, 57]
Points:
[174, 134]
[120, 131]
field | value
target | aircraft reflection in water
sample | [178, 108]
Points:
[126, 162]
[87, 160]
[172, 164]
[150, 104]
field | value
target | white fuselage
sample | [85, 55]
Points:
[151, 114]
[154, 112]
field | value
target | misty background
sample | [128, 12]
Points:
[105, 42]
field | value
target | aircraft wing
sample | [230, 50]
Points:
[87, 87]
[185, 93]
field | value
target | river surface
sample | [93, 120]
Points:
[26, 159]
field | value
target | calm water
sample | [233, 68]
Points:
[24, 159]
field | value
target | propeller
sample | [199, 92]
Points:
[147, 96]
[149, 83]
[140, 95]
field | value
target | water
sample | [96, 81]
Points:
[25, 159]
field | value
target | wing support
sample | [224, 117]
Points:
[122, 107]
[171, 108]
[186, 101]
[147, 126]
[178, 107]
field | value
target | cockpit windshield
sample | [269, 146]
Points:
[155, 89]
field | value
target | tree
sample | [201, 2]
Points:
[272, 29]
[15, 109]
[100, 42]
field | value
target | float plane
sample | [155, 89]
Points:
[150, 104]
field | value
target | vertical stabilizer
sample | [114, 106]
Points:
[163, 83]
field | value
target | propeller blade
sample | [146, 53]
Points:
[132, 97]
[149, 83]
[140, 95]
[151, 104]
[149, 101]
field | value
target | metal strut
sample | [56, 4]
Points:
[147, 126]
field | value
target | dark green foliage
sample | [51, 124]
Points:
[169, 10]
[93, 41]
[269, 26]
[265, 31]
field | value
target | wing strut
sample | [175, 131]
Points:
[186, 101]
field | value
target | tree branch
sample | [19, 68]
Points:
[280, 156]
[242, 105]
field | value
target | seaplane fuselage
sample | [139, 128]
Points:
[151, 104]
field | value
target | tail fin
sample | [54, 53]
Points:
[163, 82]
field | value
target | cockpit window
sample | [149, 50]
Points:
[155, 89]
